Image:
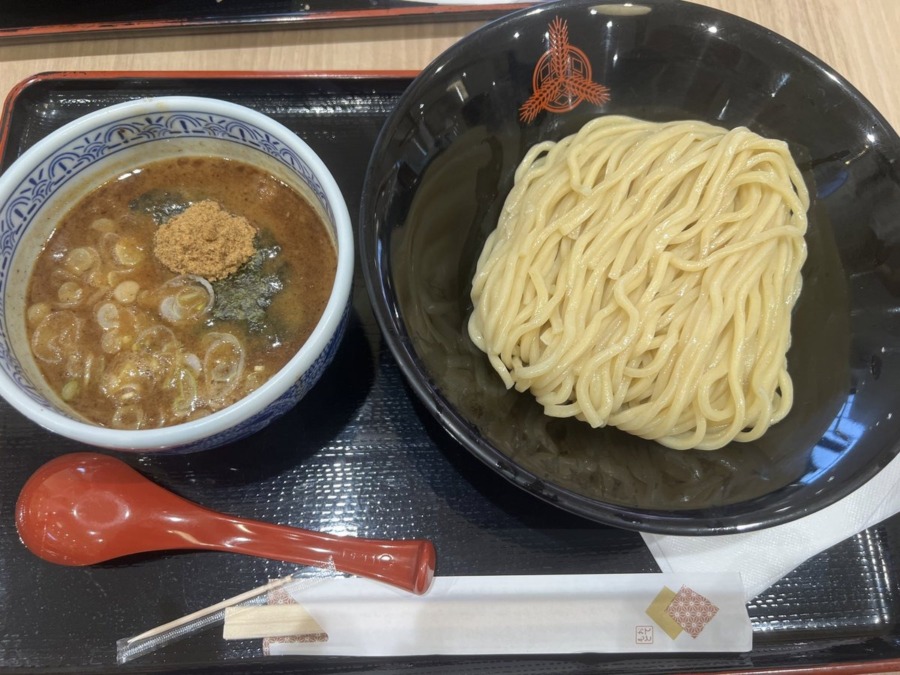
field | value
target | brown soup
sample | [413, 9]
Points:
[129, 343]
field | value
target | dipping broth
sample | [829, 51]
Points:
[129, 343]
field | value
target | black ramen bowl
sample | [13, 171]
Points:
[442, 168]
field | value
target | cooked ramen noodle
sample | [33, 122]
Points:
[642, 275]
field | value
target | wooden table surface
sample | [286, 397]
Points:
[856, 37]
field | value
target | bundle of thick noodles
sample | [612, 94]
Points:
[643, 275]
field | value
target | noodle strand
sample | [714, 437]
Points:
[642, 275]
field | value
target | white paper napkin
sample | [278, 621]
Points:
[765, 556]
[539, 614]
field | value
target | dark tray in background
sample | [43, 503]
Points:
[360, 456]
[57, 19]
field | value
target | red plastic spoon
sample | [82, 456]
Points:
[86, 508]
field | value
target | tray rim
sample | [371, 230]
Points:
[409, 12]
[14, 94]
[849, 668]
[853, 667]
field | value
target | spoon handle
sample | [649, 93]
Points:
[407, 564]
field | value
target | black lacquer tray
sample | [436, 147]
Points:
[360, 456]
[92, 18]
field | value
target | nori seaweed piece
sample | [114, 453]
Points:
[247, 294]
[161, 205]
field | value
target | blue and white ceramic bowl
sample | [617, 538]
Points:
[39, 187]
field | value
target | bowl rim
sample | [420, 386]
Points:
[655, 521]
[187, 433]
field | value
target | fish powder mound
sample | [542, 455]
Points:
[205, 240]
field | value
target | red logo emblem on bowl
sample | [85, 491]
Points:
[562, 77]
